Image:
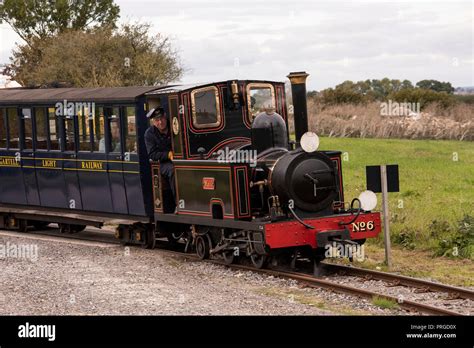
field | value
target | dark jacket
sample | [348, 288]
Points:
[158, 145]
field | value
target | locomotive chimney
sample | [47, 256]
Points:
[298, 91]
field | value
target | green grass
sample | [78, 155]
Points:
[433, 185]
[384, 303]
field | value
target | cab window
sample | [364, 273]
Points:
[205, 107]
[260, 96]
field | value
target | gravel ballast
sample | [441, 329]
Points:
[90, 278]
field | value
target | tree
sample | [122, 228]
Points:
[344, 93]
[423, 97]
[436, 86]
[98, 58]
[40, 19]
[382, 88]
[370, 90]
[312, 94]
[348, 92]
[406, 84]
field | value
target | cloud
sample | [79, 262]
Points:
[332, 40]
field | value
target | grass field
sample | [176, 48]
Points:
[436, 183]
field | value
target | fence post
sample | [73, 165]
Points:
[386, 216]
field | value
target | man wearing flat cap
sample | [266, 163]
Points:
[158, 144]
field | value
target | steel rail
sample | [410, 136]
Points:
[398, 279]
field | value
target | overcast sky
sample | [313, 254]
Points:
[332, 40]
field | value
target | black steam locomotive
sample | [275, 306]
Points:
[76, 157]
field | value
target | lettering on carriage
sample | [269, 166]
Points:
[48, 163]
[92, 165]
[9, 162]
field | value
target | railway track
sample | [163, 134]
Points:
[311, 281]
[392, 279]
[396, 279]
[352, 290]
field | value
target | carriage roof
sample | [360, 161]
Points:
[25, 95]
[31, 95]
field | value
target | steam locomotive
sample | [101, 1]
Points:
[76, 157]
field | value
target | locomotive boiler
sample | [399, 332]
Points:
[296, 180]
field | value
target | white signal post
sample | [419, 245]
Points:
[386, 216]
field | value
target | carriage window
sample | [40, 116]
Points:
[98, 130]
[114, 130]
[205, 107]
[260, 96]
[84, 118]
[41, 129]
[13, 131]
[70, 141]
[131, 130]
[28, 128]
[3, 129]
[53, 129]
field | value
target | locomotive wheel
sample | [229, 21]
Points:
[258, 261]
[202, 247]
[228, 257]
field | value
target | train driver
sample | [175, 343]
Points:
[158, 144]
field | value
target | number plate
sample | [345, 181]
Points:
[362, 226]
[208, 183]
